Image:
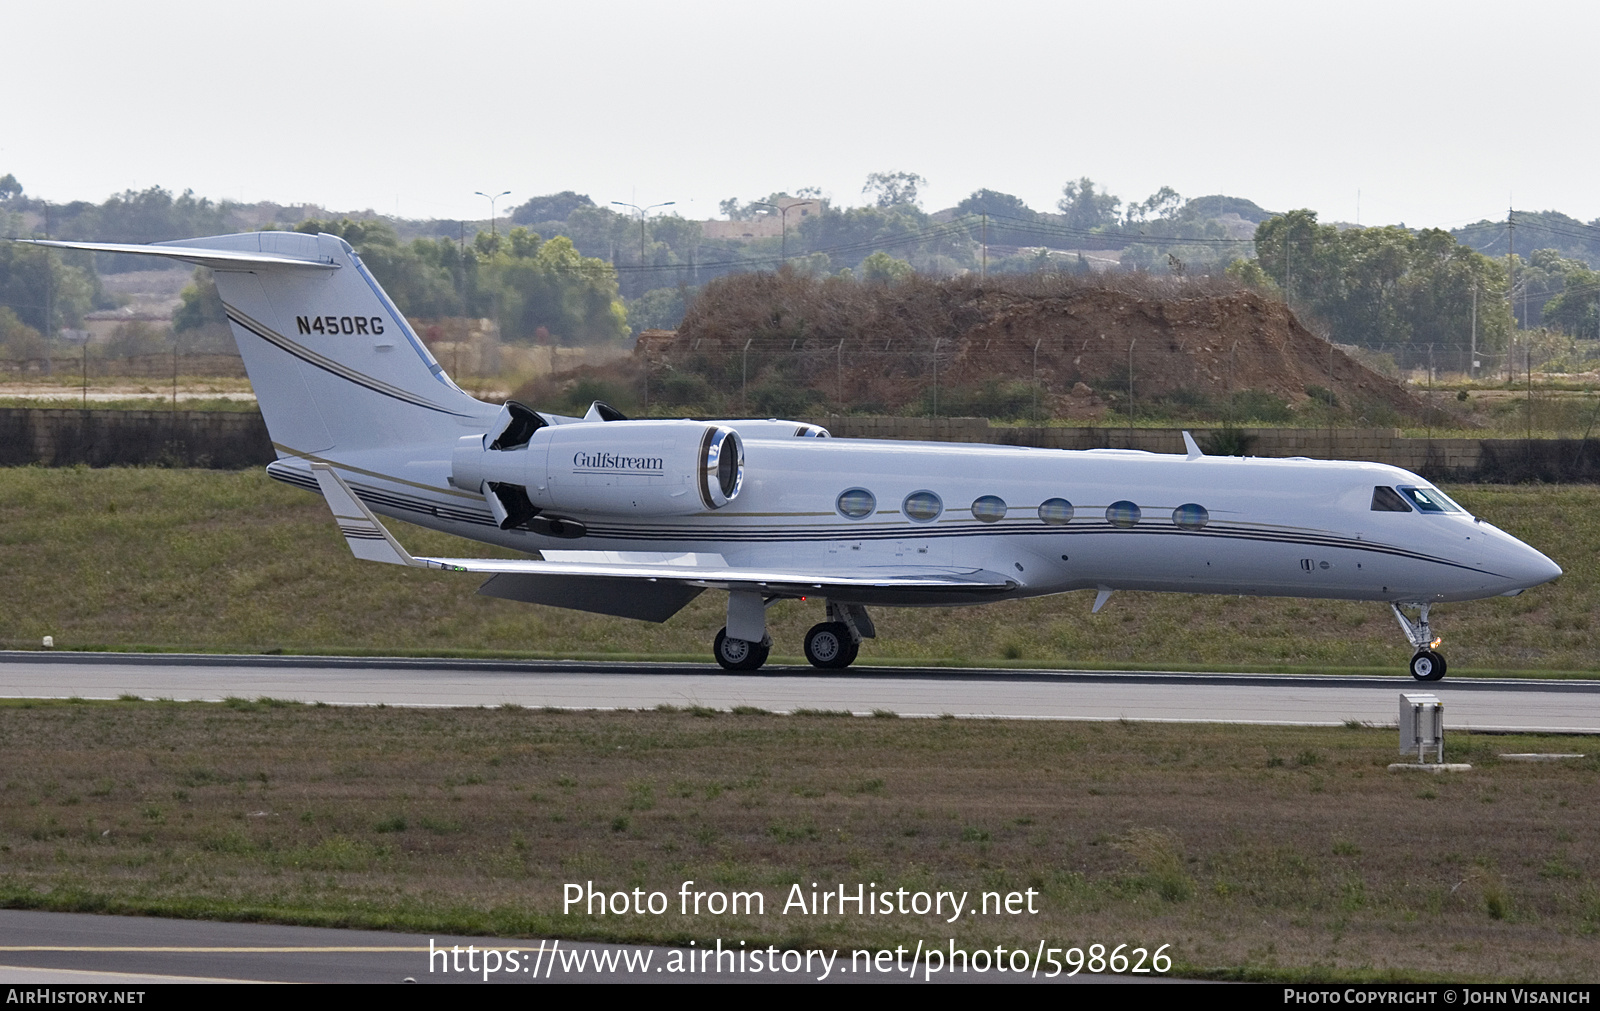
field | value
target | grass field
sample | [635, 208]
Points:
[1268, 853]
[232, 561]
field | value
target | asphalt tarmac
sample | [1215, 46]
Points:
[1570, 706]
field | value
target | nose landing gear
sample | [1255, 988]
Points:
[1426, 665]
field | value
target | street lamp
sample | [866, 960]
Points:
[642, 212]
[491, 200]
[783, 212]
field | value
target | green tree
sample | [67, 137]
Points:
[200, 323]
[658, 309]
[554, 207]
[43, 291]
[1576, 309]
[1385, 285]
[9, 187]
[882, 268]
[1085, 208]
[550, 284]
[1163, 203]
[894, 189]
[18, 340]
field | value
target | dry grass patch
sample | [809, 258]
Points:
[1267, 852]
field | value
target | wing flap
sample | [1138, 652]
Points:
[642, 599]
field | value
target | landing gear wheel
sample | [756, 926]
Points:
[1427, 665]
[740, 654]
[829, 645]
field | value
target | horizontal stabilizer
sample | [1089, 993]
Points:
[216, 259]
[368, 539]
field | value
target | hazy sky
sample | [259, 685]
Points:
[1437, 113]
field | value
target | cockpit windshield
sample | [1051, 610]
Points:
[1429, 500]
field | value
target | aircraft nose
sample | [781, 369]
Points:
[1534, 567]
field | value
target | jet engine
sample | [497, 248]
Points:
[526, 468]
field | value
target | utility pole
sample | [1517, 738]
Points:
[1131, 342]
[985, 273]
[1511, 262]
[839, 365]
[936, 377]
[49, 292]
[744, 376]
[1472, 370]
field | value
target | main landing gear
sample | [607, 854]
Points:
[740, 654]
[1426, 665]
[831, 645]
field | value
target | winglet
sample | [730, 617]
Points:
[368, 539]
[1192, 446]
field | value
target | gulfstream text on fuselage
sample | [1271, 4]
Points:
[612, 462]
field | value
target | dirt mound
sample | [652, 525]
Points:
[1175, 346]
[1064, 346]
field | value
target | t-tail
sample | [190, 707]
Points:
[335, 366]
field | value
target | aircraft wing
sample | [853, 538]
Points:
[615, 583]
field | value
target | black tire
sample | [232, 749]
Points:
[830, 646]
[1427, 665]
[738, 654]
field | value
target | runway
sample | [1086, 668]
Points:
[133, 953]
[1307, 700]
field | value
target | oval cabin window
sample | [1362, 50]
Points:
[1190, 516]
[989, 509]
[922, 506]
[1056, 511]
[857, 503]
[1122, 514]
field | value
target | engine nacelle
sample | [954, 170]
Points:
[639, 468]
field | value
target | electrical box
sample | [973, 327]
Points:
[1421, 726]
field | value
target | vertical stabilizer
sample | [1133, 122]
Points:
[333, 362]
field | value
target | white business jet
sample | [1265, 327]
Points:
[637, 518]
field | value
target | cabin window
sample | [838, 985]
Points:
[1429, 500]
[1123, 514]
[922, 506]
[1387, 500]
[1190, 516]
[989, 509]
[1056, 511]
[857, 503]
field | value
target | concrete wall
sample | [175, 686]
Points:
[61, 438]
[235, 439]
